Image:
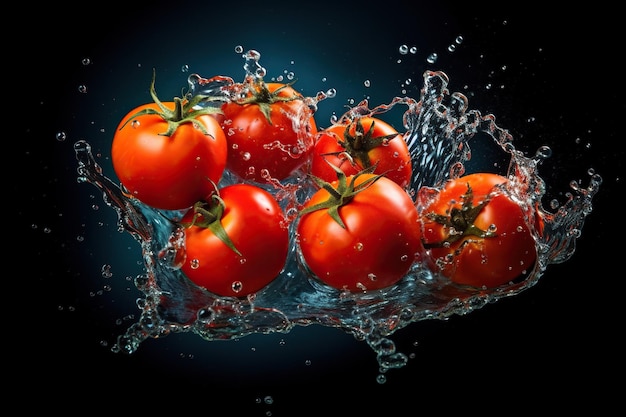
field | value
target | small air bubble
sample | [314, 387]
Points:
[61, 136]
[237, 286]
[432, 58]
[82, 88]
[403, 49]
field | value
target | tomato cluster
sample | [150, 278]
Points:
[358, 230]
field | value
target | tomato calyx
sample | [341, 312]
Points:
[358, 145]
[460, 221]
[261, 95]
[208, 214]
[184, 111]
[342, 193]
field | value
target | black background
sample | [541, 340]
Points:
[550, 78]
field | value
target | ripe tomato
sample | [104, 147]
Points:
[237, 243]
[270, 133]
[359, 144]
[168, 155]
[359, 233]
[476, 233]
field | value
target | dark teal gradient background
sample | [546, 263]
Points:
[549, 78]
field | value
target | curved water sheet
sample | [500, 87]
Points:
[440, 129]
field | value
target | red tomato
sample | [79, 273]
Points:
[270, 134]
[168, 155]
[238, 245]
[359, 241]
[476, 233]
[360, 144]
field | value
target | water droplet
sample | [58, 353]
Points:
[135, 124]
[106, 271]
[195, 264]
[358, 246]
[237, 286]
[432, 58]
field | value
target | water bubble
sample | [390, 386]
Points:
[239, 49]
[82, 88]
[237, 286]
[367, 83]
[106, 271]
[459, 39]
[185, 68]
[135, 124]
[432, 58]
[451, 47]
[61, 136]
[86, 61]
[413, 50]
[403, 49]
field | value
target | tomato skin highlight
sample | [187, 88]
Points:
[476, 261]
[257, 149]
[378, 245]
[168, 172]
[255, 223]
[393, 157]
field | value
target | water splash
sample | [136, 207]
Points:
[440, 128]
